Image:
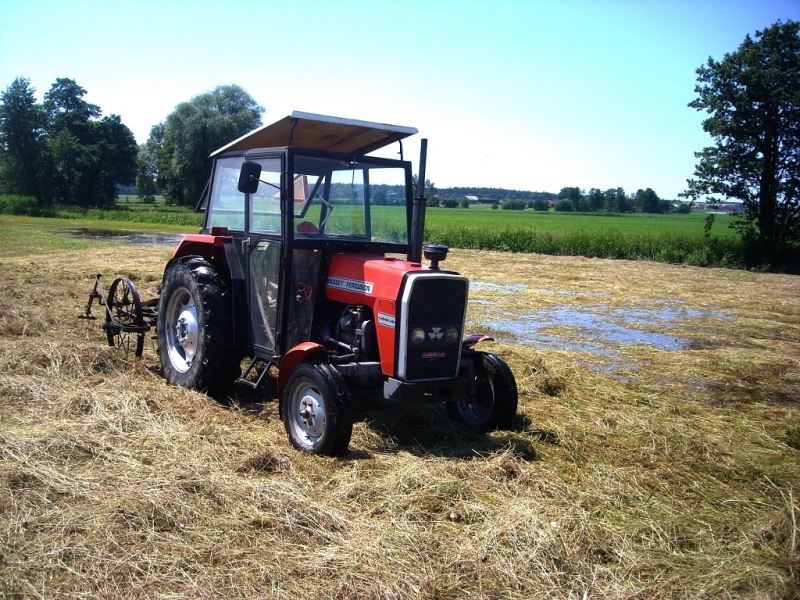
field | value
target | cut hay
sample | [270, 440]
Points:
[673, 476]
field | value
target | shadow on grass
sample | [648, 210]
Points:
[427, 430]
[421, 430]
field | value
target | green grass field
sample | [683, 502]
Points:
[486, 219]
[672, 238]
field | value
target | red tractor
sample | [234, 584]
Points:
[297, 266]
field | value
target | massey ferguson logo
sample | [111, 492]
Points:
[351, 285]
[436, 333]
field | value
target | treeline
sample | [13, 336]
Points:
[62, 150]
[615, 200]
[501, 194]
[569, 199]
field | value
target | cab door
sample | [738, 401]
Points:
[264, 225]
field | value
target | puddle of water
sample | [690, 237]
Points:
[597, 329]
[153, 239]
[496, 288]
[603, 331]
[135, 238]
[513, 288]
[570, 292]
[594, 327]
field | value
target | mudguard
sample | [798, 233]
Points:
[475, 338]
[293, 358]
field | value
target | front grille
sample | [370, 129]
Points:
[435, 304]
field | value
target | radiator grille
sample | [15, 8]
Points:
[435, 304]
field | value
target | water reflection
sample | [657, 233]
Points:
[136, 238]
[598, 328]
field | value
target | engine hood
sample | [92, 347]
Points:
[364, 278]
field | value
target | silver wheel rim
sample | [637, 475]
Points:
[308, 415]
[183, 331]
[477, 411]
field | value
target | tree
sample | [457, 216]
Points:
[147, 165]
[22, 126]
[513, 205]
[62, 149]
[430, 188]
[753, 98]
[564, 205]
[647, 201]
[540, 204]
[116, 150]
[66, 108]
[616, 200]
[193, 131]
[597, 200]
[576, 197]
[88, 156]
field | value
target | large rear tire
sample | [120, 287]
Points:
[316, 410]
[494, 401]
[195, 329]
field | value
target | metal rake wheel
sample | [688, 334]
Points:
[125, 326]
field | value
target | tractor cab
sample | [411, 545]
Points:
[292, 194]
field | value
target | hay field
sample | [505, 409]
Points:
[639, 472]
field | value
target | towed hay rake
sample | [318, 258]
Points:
[127, 318]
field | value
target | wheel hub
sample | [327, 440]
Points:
[312, 415]
[184, 338]
[186, 333]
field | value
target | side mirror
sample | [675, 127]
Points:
[248, 177]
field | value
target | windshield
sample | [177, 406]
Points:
[226, 207]
[354, 200]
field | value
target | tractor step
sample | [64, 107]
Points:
[252, 368]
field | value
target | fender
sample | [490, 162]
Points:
[217, 248]
[293, 358]
[474, 339]
[209, 247]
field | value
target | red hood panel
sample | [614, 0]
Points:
[363, 278]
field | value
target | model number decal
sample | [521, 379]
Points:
[438, 354]
[386, 320]
[352, 285]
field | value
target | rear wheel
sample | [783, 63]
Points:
[316, 410]
[493, 403]
[195, 330]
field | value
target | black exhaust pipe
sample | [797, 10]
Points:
[418, 210]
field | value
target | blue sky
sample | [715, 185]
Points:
[535, 95]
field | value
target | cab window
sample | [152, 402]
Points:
[226, 205]
[265, 204]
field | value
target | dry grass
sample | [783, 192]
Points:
[678, 481]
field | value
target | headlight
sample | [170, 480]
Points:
[451, 335]
[418, 336]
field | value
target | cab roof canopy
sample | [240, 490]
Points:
[320, 132]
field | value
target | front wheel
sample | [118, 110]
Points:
[492, 401]
[316, 410]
